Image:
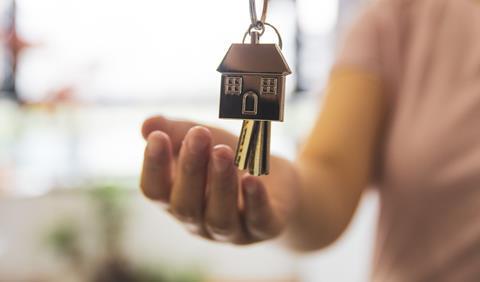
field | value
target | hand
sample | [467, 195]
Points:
[190, 170]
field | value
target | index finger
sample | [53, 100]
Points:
[156, 179]
[177, 130]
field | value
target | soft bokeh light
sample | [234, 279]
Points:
[317, 17]
[71, 141]
[131, 49]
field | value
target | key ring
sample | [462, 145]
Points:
[261, 30]
[253, 13]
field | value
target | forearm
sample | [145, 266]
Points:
[327, 197]
[337, 161]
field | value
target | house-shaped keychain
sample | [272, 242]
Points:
[253, 82]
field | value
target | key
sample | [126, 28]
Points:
[253, 147]
[253, 90]
[256, 159]
[259, 158]
[266, 147]
[243, 146]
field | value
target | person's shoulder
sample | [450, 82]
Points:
[387, 8]
[391, 9]
[390, 17]
[394, 3]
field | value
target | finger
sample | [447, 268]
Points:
[222, 216]
[260, 220]
[156, 180]
[178, 129]
[187, 199]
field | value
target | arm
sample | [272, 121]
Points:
[336, 163]
[188, 171]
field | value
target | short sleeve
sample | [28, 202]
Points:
[360, 48]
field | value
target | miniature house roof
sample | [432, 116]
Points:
[254, 58]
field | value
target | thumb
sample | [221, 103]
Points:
[177, 129]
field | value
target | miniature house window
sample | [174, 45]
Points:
[268, 86]
[233, 85]
[250, 103]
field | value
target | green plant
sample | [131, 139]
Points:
[111, 205]
[63, 239]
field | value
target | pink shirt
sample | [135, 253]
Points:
[428, 54]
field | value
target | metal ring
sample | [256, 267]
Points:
[249, 30]
[253, 12]
[259, 27]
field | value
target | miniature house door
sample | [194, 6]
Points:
[250, 103]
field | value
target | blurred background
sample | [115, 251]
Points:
[78, 77]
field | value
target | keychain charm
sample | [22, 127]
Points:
[253, 89]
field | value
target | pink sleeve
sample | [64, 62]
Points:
[361, 46]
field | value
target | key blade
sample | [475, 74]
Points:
[252, 147]
[258, 155]
[267, 128]
[243, 146]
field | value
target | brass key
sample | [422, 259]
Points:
[253, 147]
[244, 144]
[262, 150]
